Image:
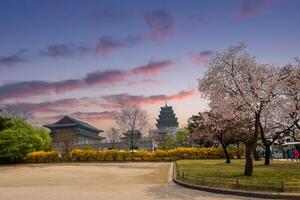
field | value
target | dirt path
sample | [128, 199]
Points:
[94, 181]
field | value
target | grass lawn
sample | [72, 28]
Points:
[272, 175]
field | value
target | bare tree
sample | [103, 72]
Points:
[65, 139]
[114, 136]
[11, 113]
[132, 121]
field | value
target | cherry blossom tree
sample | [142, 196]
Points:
[219, 129]
[238, 87]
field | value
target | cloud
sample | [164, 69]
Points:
[252, 8]
[46, 107]
[25, 89]
[94, 116]
[199, 58]
[105, 77]
[53, 110]
[107, 44]
[161, 24]
[65, 50]
[14, 59]
[125, 100]
[34, 88]
[146, 81]
[153, 67]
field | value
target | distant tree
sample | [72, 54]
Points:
[182, 138]
[20, 139]
[197, 131]
[168, 142]
[114, 136]
[132, 139]
[220, 129]
[131, 120]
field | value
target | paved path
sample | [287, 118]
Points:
[95, 181]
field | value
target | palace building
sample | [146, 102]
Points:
[76, 132]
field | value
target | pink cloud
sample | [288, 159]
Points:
[94, 116]
[25, 89]
[124, 100]
[200, 58]
[107, 44]
[152, 67]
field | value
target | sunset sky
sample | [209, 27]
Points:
[89, 58]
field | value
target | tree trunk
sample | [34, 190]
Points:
[267, 155]
[249, 164]
[250, 145]
[225, 152]
[255, 154]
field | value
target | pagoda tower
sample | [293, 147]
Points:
[167, 121]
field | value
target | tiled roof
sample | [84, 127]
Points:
[69, 121]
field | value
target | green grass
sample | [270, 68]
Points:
[269, 176]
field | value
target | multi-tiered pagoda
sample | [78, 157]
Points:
[167, 121]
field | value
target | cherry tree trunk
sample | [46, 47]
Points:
[267, 155]
[249, 163]
[225, 152]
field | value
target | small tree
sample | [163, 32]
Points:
[20, 139]
[114, 136]
[182, 139]
[65, 139]
[130, 121]
[197, 131]
[169, 142]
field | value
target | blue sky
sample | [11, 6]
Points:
[76, 57]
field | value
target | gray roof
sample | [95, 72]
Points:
[71, 123]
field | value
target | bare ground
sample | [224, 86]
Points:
[95, 181]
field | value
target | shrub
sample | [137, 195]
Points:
[114, 155]
[42, 156]
[144, 155]
[20, 139]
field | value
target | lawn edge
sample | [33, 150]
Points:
[244, 193]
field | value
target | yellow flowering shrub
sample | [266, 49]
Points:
[144, 155]
[42, 156]
[117, 155]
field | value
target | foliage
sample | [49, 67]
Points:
[20, 139]
[239, 87]
[158, 155]
[5, 122]
[182, 138]
[42, 156]
[168, 142]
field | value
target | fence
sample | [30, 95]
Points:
[241, 184]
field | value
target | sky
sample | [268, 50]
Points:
[88, 58]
